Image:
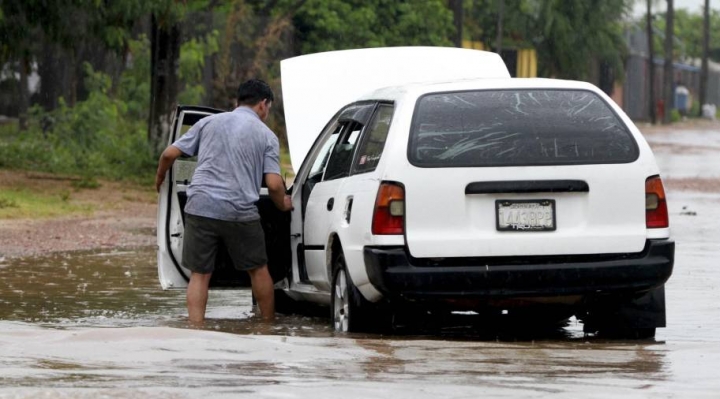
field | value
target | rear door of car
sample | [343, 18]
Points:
[522, 172]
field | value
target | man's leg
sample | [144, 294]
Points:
[263, 289]
[197, 296]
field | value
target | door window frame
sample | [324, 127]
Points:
[365, 137]
[309, 160]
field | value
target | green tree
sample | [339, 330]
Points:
[571, 37]
[574, 34]
[688, 39]
[324, 25]
[20, 28]
[193, 54]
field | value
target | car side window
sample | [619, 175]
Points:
[373, 141]
[321, 161]
[342, 154]
[352, 119]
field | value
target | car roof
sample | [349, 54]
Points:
[395, 93]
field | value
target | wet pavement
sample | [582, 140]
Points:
[96, 324]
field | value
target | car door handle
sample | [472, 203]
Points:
[348, 209]
[330, 204]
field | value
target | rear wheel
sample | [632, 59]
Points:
[627, 318]
[349, 308]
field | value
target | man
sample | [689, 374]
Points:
[235, 150]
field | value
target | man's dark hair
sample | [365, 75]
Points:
[253, 91]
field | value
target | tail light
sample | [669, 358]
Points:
[389, 215]
[656, 213]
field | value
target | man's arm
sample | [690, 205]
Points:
[167, 158]
[276, 188]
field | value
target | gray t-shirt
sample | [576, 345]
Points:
[234, 150]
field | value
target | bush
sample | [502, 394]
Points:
[675, 116]
[694, 110]
[98, 137]
[104, 136]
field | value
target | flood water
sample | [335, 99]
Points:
[96, 324]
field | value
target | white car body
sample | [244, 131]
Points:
[450, 214]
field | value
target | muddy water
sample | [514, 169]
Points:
[95, 324]
[119, 289]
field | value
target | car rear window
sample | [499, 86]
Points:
[517, 128]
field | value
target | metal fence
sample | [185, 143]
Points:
[635, 89]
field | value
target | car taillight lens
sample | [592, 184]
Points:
[389, 215]
[656, 213]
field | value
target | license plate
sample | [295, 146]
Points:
[525, 215]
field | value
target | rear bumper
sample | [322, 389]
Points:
[396, 274]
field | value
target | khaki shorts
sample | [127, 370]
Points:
[245, 243]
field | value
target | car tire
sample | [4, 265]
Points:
[348, 309]
[626, 318]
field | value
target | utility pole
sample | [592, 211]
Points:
[651, 64]
[706, 51]
[668, 72]
[501, 10]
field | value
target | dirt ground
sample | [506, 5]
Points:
[123, 215]
[119, 215]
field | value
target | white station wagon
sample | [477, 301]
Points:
[427, 177]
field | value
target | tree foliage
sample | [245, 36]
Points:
[573, 35]
[94, 138]
[324, 25]
[569, 36]
[688, 33]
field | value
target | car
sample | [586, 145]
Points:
[428, 178]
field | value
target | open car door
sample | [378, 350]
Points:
[171, 216]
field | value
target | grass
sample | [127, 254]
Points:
[86, 182]
[9, 130]
[19, 203]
